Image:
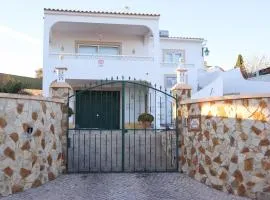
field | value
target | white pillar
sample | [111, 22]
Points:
[181, 75]
[60, 71]
[156, 48]
[46, 42]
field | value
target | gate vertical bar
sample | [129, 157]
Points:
[67, 134]
[166, 127]
[176, 132]
[155, 129]
[123, 125]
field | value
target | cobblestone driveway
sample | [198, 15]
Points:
[152, 186]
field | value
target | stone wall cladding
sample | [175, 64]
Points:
[30, 159]
[231, 152]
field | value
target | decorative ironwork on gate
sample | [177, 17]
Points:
[107, 136]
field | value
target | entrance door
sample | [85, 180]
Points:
[98, 109]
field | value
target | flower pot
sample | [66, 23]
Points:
[146, 124]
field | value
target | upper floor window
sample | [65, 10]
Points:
[173, 55]
[99, 49]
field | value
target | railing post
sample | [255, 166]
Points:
[123, 125]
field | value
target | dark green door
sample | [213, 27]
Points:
[98, 109]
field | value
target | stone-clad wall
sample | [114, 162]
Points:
[230, 151]
[30, 159]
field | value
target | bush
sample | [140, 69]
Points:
[145, 117]
[12, 87]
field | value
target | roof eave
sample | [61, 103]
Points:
[119, 13]
[184, 39]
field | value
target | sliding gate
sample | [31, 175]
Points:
[107, 136]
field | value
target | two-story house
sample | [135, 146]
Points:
[95, 45]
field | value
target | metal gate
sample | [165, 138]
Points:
[107, 136]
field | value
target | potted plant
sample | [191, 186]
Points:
[146, 119]
[70, 112]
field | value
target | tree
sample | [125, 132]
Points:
[257, 63]
[39, 73]
[239, 62]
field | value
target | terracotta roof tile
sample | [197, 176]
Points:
[103, 12]
[183, 38]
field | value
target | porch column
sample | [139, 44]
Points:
[46, 42]
[156, 48]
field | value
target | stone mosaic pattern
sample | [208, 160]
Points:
[28, 160]
[182, 95]
[231, 152]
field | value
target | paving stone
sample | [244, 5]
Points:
[117, 186]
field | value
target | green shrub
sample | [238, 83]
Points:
[145, 117]
[12, 87]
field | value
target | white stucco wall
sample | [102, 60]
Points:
[215, 88]
[231, 82]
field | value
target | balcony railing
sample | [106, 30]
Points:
[99, 56]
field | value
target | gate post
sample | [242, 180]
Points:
[181, 91]
[61, 90]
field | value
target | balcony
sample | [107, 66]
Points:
[92, 66]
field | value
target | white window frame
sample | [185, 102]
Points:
[98, 45]
[174, 51]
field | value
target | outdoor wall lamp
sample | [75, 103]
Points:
[205, 51]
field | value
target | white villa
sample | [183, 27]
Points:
[96, 45]
[99, 45]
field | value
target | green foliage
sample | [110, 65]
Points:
[239, 62]
[28, 82]
[12, 86]
[70, 112]
[145, 117]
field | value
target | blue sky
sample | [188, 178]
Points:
[230, 27]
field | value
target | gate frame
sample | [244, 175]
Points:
[123, 84]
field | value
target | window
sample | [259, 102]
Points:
[87, 49]
[102, 49]
[172, 56]
[170, 81]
